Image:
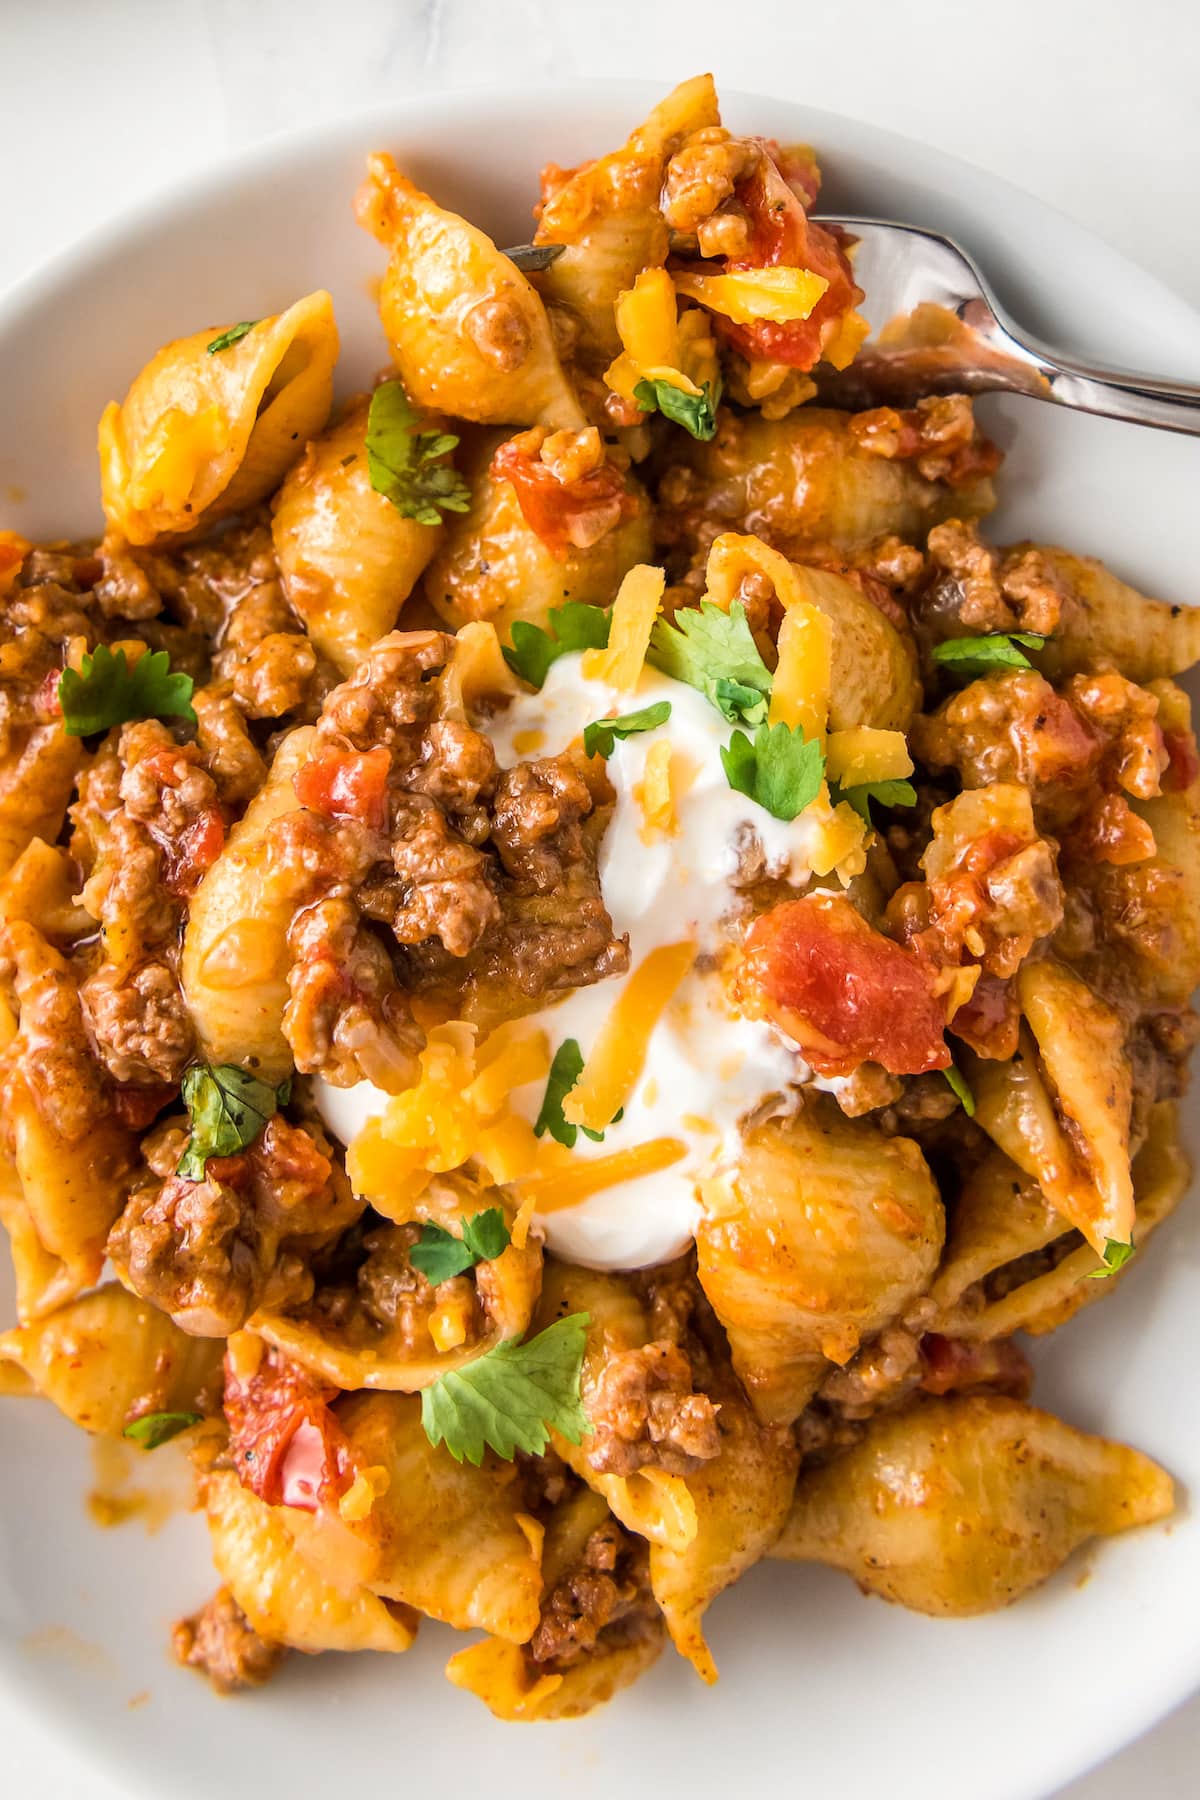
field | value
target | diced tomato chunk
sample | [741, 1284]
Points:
[566, 515]
[782, 233]
[286, 1444]
[137, 1107]
[1109, 831]
[347, 784]
[954, 1366]
[846, 993]
[990, 1020]
[198, 849]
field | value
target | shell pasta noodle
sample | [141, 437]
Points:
[586, 964]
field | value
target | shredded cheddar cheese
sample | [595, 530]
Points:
[735, 554]
[616, 1061]
[804, 677]
[656, 344]
[457, 1111]
[867, 754]
[779, 294]
[450, 1321]
[356, 1503]
[846, 342]
[840, 841]
[653, 792]
[534, 1532]
[591, 1175]
[634, 612]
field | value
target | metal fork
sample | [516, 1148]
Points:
[944, 331]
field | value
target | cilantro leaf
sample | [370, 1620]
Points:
[598, 739]
[404, 465]
[714, 651]
[697, 413]
[884, 793]
[439, 1254]
[572, 627]
[511, 1397]
[105, 691]
[234, 335]
[734, 700]
[153, 1429]
[530, 258]
[228, 1108]
[973, 656]
[565, 1071]
[781, 769]
[957, 1081]
[1116, 1255]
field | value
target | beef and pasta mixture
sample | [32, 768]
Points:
[584, 959]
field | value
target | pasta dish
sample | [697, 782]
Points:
[584, 960]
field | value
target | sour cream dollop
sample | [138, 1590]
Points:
[706, 1067]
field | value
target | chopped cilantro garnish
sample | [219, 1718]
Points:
[512, 1397]
[106, 691]
[714, 651]
[884, 793]
[958, 1083]
[228, 1108]
[405, 465]
[572, 627]
[973, 656]
[234, 335]
[697, 413]
[565, 1071]
[599, 738]
[780, 769]
[153, 1429]
[1116, 1255]
[439, 1254]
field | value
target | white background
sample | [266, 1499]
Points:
[1091, 104]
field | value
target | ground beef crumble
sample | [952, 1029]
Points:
[607, 1591]
[210, 1251]
[483, 881]
[221, 1643]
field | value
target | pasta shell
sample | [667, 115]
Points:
[235, 958]
[102, 1356]
[284, 1595]
[347, 557]
[443, 1536]
[806, 480]
[492, 565]
[607, 215]
[960, 1506]
[199, 435]
[741, 1498]
[469, 334]
[824, 1233]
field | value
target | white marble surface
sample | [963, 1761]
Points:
[1089, 103]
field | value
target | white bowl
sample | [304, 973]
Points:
[830, 1691]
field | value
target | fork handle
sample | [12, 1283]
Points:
[1113, 393]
